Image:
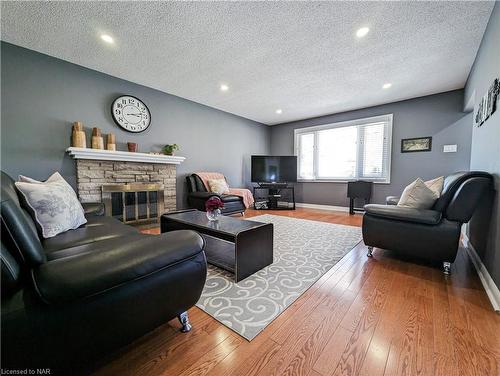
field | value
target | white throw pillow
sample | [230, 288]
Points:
[218, 186]
[436, 185]
[52, 204]
[417, 195]
[54, 177]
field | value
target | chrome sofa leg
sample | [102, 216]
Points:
[184, 319]
[446, 268]
[370, 252]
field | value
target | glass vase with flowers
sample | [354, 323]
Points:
[213, 208]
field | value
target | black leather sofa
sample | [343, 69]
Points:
[198, 194]
[430, 234]
[70, 299]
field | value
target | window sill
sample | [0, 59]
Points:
[337, 181]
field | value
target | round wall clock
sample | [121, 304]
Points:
[131, 114]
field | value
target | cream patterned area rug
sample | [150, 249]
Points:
[304, 250]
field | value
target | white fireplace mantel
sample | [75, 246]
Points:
[125, 156]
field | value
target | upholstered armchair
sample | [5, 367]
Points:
[198, 194]
[432, 234]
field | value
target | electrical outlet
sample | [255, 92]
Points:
[449, 148]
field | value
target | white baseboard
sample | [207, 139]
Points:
[322, 207]
[488, 284]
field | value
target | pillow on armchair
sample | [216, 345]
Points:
[218, 186]
[436, 185]
[53, 204]
[418, 195]
[415, 195]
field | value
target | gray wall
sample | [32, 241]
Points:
[42, 96]
[485, 152]
[440, 116]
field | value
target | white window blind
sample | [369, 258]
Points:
[306, 155]
[359, 149]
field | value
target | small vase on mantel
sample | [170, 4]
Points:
[111, 142]
[97, 140]
[213, 208]
[78, 139]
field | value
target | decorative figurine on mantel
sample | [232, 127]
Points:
[111, 142]
[170, 148]
[78, 139]
[97, 140]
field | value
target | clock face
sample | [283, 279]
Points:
[131, 114]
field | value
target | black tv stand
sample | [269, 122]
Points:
[272, 185]
[274, 196]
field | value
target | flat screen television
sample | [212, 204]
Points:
[274, 169]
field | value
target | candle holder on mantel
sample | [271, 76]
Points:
[78, 138]
[97, 140]
[111, 142]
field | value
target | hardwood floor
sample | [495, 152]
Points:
[378, 316]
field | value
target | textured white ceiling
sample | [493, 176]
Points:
[302, 57]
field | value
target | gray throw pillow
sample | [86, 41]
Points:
[52, 204]
[418, 196]
[436, 185]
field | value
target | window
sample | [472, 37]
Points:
[358, 149]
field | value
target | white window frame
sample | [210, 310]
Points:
[357, 122]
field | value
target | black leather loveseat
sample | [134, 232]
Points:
[70, 299]
[430, 234]
[198, 194]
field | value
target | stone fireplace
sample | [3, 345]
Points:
[96, 169]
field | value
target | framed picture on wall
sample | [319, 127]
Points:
[412, 145]
[488, 103]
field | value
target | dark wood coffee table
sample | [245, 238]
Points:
[240, 246]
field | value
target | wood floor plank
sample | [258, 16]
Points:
[360, 304]
[403, 346]
[378, 351]
[353, 319]
[295, 343]
[153, 344]
[209, 360]
[314, 373]
[332, 352]
[354, 354]
[423, 359]
[442, 327]
[422, 324]
[246, 353]
[303, 361]
[469, 306]
[444, 365]
[254, 365]
[164, 362]
[470, 358]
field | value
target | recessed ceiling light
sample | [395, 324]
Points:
[386, 86]
[362, 32]
[279, 111]
[224, 87]
[107, 38]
